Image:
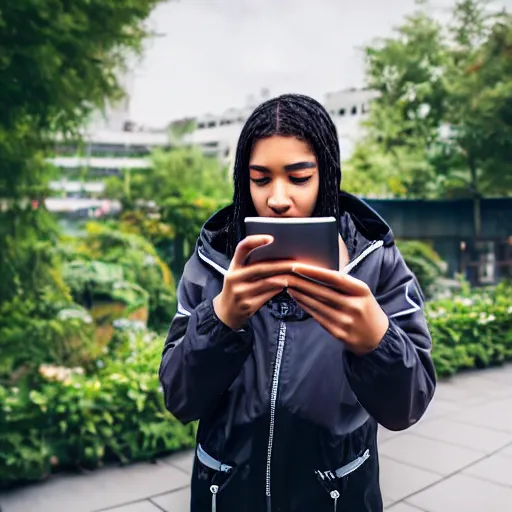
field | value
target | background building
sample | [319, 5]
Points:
[218, 134]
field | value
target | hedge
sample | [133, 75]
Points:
[472, 330]
[73, 420]
[70, 419]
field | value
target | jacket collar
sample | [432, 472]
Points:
[359, 225]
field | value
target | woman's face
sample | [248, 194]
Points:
[284, 177]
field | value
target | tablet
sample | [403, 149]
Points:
[309, 240]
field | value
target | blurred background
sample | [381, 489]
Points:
[118, 127]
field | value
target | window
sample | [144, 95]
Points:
[341, 112]
[354, 110]
[201, 126]
[487, 261]
[211, 124]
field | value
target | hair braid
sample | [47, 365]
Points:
[287, 115]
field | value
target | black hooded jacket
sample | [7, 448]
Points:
[288, 416]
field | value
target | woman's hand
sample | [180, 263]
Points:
[248, 287]
[345, 307]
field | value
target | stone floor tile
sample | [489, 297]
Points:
[462, 493]
[434, 456]
[177, 501]
[454, 432]
[398, 480]
[497, 469]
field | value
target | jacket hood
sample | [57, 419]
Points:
[359, 223]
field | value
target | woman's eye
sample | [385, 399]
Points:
[300, 180]
[260, 181]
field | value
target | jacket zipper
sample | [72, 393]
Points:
[329, 476]
[273, 398]
[214, 489]
[335, 496]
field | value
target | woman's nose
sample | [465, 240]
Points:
[278, 200]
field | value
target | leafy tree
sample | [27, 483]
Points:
[186, 188]
[442, 124]
[60, 62]
[479, 110]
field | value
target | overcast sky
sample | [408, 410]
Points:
[211, 54]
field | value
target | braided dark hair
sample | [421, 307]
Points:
[287, 115]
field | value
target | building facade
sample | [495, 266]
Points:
[112, 144]
[218, 135]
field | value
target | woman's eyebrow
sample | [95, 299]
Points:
[290, 167]
[300, 165]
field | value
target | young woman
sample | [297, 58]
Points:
[288, 378]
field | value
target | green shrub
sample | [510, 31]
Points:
[78, 420]
[136, 260]
[425, 263]
[36, 332]
[473, 329]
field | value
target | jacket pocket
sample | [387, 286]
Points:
[222, 472]
[331, 479]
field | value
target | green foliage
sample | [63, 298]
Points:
[59, 63]
[425, 263]
[150, 227]
[106, 257]
[28, 267]
[77, 420]
[186, 188]
[61, 58]
[33, 333]
[442, 124]
[471, 330]
[182, 173]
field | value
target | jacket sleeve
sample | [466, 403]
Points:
[201, 356]
[396, 382]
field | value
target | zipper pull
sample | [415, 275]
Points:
[214, 490]
[335, 495]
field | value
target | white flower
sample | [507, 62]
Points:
[59, 373]
[149, 260]
[79, 314]
[484, 319]
[465, 301]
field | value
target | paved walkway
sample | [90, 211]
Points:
[458, 458]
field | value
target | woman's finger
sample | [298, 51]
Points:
[312, 303]
[247, 245]
[263, 298]
[320, 292]
[264, 270]
[316, 310]
[331, 278]
[263, 286]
